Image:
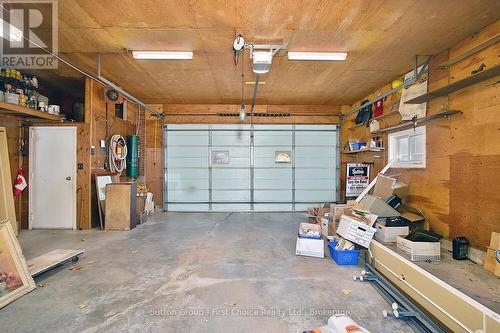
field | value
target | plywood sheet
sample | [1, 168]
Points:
[50, 260]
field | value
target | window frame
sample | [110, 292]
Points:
[393, 148]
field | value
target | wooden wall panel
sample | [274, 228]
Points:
[458, 190]
[102, 125]
[103, 122]
[154, 155]
[11, 123]
[207, 114]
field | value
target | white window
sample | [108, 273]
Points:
[407, 148]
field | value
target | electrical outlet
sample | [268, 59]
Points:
[103, 144]
[92, 150]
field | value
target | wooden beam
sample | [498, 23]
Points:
[457, 311]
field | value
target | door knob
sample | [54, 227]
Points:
[68, 178]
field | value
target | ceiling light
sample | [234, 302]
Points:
[253, 82]
[163, 55]
[317, 55]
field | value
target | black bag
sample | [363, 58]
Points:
[364, 114]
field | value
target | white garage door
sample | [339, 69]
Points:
[250, 167]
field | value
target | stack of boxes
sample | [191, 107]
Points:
[381, 215]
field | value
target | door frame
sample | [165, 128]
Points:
[32, 184]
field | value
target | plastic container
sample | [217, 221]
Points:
[460, 248]
[133, 142]
[343, 257]
[358, 145]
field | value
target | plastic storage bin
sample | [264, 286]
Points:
[358, 145]
[343, 257]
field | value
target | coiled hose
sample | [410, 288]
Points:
[117, 153]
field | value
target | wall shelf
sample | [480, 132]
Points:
[481, 46]
[375, 150]
[444, 91]
[409, 124]
[13, 109]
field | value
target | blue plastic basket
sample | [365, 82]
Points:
[343, 257]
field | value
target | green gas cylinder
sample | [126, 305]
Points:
[133, 142]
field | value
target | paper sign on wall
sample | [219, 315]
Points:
[408, 111]
[358, 178]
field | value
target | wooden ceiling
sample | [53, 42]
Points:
[381, 38]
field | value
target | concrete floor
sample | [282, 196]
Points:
[468, 277]
[192, 272]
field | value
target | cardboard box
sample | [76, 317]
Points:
[310, 247]
[490, 262]
[378, 206]
[495, 240]
[314, 213]
[389, 234]
[121, 200]
[328, 227]
[325, 226]
[355, 231]
[141, 201]
[362, 215]
[309, 230]
[413, 215]
[419, 251]
[387, 186]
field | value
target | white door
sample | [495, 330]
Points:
[52, 178]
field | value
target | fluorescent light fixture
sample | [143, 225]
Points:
[317, 55]
[253, 82]
[163, 55]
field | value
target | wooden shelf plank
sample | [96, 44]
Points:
[409, 124]
[375, 150]
[481, 76]
[481, 46]
[27, 112]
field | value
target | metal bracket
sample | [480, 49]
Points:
[274, 48]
